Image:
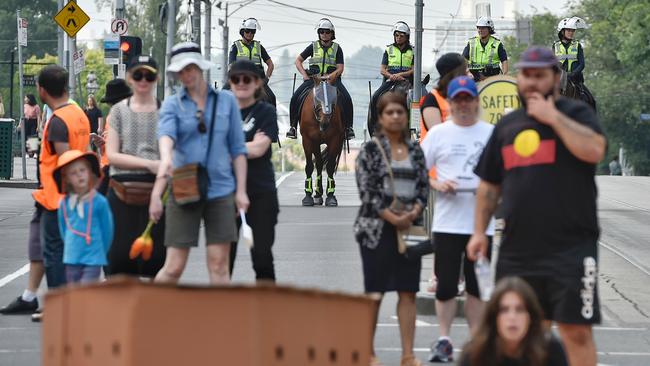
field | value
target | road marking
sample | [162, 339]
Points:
[601, 353]
[620, 254]
[423, 324]
[8, 278]
[26, 350]
[282, 178]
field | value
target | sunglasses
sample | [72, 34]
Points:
[252, 31]
[149, 76]
[324, 31]
[235, 79]
[202, 127]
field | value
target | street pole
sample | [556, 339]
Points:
[11, 85]
[119, 9]
[72, 81]
[225, 47]
[208, 34]
[171, 31]
[417, 72]
[20, 82]
[59, 38]
[196, 22]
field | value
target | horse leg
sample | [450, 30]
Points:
[309, 169]
[331, 200]
[318, 197]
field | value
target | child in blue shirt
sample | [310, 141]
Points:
[85, 218]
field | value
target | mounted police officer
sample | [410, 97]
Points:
[249, 49]
[396, 65]
[485, 53]
[325, 58]
[568, 50]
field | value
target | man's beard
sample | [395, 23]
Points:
[522, 98]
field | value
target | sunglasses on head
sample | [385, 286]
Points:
[246, 79]
[140, 74]
[202, 127]
[324, 31]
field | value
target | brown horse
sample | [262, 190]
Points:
[572, 90]
[321, 122]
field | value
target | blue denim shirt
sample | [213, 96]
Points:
[178, 121]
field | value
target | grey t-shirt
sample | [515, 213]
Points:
[138, 133]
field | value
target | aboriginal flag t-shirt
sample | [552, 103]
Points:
[548, 196]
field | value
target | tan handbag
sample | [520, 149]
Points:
[132, 193]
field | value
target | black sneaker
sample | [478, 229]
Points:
[442, 351]
[291, 134]
[20, 306]
[350, 133]
[37, 317]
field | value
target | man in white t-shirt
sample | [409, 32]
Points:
[454, 148]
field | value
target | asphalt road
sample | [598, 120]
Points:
[315, 248]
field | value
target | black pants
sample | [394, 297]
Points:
[52, 245]
[130, 222]
[298, 98]
[372, 123]
[262, 216]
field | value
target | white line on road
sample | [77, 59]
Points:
[8, 278]
[601, 353]
[423, 324]
[282, 178]
[27, 350]
[620, 254]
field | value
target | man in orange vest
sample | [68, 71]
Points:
[68, 128]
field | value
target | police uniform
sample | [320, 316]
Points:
[485, 59]
[256, 53]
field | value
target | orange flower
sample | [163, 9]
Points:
[144, 243]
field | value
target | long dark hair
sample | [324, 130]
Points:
[384, 101]
[484, 347]
[31, 99]
[444, 81]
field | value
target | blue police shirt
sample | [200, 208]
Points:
[178, 120]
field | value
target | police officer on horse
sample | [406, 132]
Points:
[249, 49]
[325, 58]
[485, 53]
[396, 65]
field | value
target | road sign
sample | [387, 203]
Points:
[112, 49]
[498, 96]
[29, 80]
[71, 18]
[79, 61]
[119, 26]
[22, 32]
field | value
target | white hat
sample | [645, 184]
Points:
[571, 23]
[250, 23]
[325, 23]
[402, 27]
[485, 22]
[187, 53]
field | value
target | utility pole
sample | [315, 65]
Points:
[225, 47]
[196, 22]
[207, 37]
[59, 38]
[171, 31]
[119, 9]
[20, 83]
[417, 76]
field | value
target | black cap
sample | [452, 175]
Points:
[448, 62]
[116, 90]
[145, 62]
[245, 67]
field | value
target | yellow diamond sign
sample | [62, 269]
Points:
[71, 18]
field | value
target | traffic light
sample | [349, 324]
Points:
[131, 48]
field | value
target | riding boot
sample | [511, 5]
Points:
[292, 133]
[349, 133]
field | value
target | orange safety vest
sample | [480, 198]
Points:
[444, 114]
[78, 138]
[104, 160]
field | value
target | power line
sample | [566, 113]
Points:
[328, 14]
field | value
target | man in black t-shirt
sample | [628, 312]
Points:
[540, 163]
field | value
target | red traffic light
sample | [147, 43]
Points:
[125, 46]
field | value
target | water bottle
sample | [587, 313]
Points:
[484, 278]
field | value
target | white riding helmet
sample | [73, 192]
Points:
[250, 23]
[485, 22]
[571, 23]
[402, 27]
[325, 23]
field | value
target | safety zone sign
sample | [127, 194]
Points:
[71, 18]
[498, 96]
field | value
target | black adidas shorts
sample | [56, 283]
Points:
[570, 298]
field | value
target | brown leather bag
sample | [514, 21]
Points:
[132, 193]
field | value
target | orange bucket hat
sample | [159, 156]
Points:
[70, 156]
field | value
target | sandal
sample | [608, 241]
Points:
[410, 361]
[374, 361]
